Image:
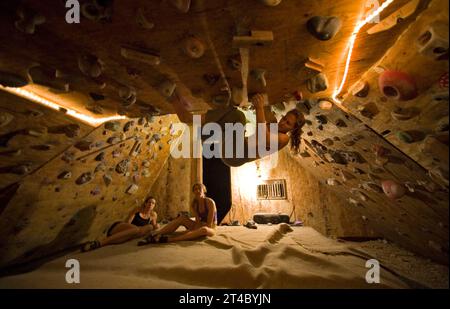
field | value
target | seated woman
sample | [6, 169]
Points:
[205, 212]
[289, 128]
[140, 223]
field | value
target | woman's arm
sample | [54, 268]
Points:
[195, 213]
[258, 103]
[212, 209]
[154, 221]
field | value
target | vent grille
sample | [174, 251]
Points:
[272, 190]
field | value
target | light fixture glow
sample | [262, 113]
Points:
[53, 105]
[351, 45]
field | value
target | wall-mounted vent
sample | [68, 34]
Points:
[272, 190]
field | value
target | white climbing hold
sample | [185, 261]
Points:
[5, 118]
[28, 20]
[167, 88]
[143, 21]
[193, 47]
[132, 189]
[182, 5]
[271, 2]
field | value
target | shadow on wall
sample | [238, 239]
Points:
[68, 239]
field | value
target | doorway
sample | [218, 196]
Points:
[217, 179]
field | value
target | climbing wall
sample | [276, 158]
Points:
[30, 136]
[78, 194]
[406, 97]
[172, 190]
[393, 193]
[295, 46]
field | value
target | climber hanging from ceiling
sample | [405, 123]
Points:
[236, 149]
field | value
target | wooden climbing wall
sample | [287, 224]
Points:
[57, 45]
[30, 136]
[340, 151]
[82, 191]
[424, 118]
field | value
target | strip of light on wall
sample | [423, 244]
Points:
[351, 46]
[55, 106]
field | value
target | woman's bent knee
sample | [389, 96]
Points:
[206, 231]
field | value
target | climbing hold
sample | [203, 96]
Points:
[167, 88]
[193, 47]
[47, 78]
[321, 119]
[136, 150]
[403, 114]
[100, 157]
[443, 82]
[381, 154]
[127, 127]
[132, 189]
[372, 187]
[393, 190]
[433, 41]
[318, 83]
[340, 123]
[309, 68]
[37, 131]
[100, 168]
[107, 179]
[68, 157]
[5, 118]
[325, 105]
[112, 126]
[12, 80]
[181, 5]
[128, 95]
[84, 145]
[259, 75]
[328, 142]
[333, 182]
[84, 178]
[398, 85]
[43, 147]
[113, 140]
[410, 137]
[123, 166]
[361, 89]
[143, 21]
[324, 27]
[146, 163]
[28, 20]
[90, 65]
[141, 55]
[97, 97]
[369, 110]
[98, 10]
[146, 173]
[116, 153]
[65, 175]
[96, 109]
[96, 191]
[346, 176]
[271, 2]
[442, 125]
[71, 130]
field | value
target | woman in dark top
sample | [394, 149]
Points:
[205, 212]
[140, 222]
